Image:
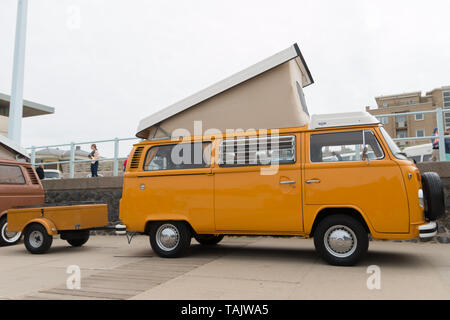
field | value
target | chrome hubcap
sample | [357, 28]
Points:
[36, 239]
[167, 237]
[340, 241]
[9, 237]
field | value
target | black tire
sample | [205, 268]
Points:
[340, 225]
[176, 245]
[37, 240]
[78, 242]
[7, 239]
[208, 239]
[433, 193]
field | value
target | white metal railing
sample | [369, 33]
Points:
[116, 158]
[73, 161]
[440, 126]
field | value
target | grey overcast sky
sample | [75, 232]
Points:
[105, 64]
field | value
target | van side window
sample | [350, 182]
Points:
[257, 151]
[343, 146]
[11, 175]
[178, 156]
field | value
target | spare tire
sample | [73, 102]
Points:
[433, 193]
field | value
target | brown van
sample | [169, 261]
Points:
[19, 186]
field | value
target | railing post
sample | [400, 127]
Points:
[72, 159]
[33, 156]
[441, 134]
[116, 157]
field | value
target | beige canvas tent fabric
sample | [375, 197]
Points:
[270, 99]
[11, 151]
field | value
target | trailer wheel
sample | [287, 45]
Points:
[78, 242]
[8, 238]
[208, 239]
[37, 240]
[170, 239]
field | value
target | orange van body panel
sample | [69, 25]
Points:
[239, 200]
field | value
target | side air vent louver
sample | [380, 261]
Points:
[32, 176]
[136, 158]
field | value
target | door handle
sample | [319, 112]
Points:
[313, 181]
[287, 182]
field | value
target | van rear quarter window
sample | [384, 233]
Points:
[344, 146]
[178, 156]
[11, 175]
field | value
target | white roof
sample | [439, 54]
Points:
[341, 119]
[14, 146]
[30, 108]
[286, 55]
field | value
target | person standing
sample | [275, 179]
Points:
[40, 172]
[125, 164]
[435, 143]
[94, 155]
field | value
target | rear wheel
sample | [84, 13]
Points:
[341, 240]
[36, 239]
[170, 239]
[208, 239]
[8, 238]
[78, 242]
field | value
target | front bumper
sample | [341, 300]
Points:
[121, 229]
[428, 230]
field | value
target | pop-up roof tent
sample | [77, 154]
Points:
[267, 95]
[9, 150]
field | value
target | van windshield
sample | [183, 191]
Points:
[392, 145]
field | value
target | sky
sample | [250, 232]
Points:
[106, 64]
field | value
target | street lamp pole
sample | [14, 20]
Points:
[16, 103]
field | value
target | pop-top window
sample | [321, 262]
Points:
[257, 151]
[178, 156]
[344, 146]
[11, 175]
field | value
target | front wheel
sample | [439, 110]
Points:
[341, 240]
[36, 239]
[208, 239]
[170, 239]
[8, 238]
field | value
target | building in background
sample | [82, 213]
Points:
[57, 155]
[419, 125]
[30, 109]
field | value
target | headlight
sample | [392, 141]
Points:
[420, 197]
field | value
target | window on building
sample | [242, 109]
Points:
[412, 101]
[343, 146]
[4, 111]
[385, 104]
[401, 134]
[384, 120]
[419, 116]
[257, 151]
[178, 156]
[11, 175]
[446, 99]
[420, 133]
[447, 120]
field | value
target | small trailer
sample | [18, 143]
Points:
[71, 221]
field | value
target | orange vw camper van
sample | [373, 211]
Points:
[337, 178]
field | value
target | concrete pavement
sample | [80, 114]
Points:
[238, 268]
